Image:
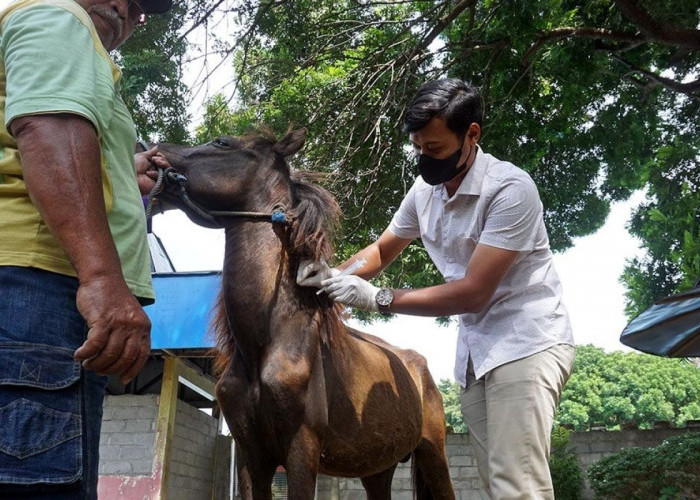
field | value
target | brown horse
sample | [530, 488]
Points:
[299, 388]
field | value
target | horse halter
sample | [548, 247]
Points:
[174, 182]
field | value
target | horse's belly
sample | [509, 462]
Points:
[362, 451]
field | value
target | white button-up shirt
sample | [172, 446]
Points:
[496, 204]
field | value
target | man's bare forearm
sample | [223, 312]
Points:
[61, 168]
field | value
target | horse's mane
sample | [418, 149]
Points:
[315, 216]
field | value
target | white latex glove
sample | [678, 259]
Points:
[313, 272]
[351, 291]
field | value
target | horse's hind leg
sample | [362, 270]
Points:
[378, 486]
[431, 474]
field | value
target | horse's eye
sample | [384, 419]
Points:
[221, 142]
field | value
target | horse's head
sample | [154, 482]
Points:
[250, 174]
[228, 174]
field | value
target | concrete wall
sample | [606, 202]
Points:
[589, 446]
[192, 455]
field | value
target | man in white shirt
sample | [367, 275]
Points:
[480, 219]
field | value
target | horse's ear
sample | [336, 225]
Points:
[291, 143]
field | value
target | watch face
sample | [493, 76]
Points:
[384, 297]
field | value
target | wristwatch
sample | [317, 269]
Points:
[384, 298]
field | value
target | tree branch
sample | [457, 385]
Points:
[655, 31]
[688, 88]
[200, 21]
[443, 22]
[583, 32]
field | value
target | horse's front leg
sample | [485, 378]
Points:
[254, 484]
[302, 464]
[245, 485]
[254, 478]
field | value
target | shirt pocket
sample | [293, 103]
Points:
[40, 416]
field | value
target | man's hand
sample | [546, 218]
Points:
[351, 291]
[146, 163]
[312, 273]
[118, 339]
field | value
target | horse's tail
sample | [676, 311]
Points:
[421, 491]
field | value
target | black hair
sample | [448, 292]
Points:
[458, 102]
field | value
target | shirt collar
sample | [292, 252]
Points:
[471, 184]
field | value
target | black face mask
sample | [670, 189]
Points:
[434, 171]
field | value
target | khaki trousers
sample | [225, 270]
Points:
[509, 413]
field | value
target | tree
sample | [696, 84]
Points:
[628, 388]
[453, 410]
[612, 389]
[669, 226]
[593, 99]
[151, 78]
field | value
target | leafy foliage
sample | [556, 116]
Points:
[453, 410]
[594, 99]
[669, 226]
[628, 388]
[564, 467]
[614, 389]
[669, 471]
[151, 78]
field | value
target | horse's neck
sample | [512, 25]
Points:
[258, 286]
[261, 297]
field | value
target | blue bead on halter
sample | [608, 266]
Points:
[279, 216]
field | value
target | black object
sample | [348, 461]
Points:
[156, 6]
[671, 327]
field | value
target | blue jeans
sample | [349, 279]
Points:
[50, 408]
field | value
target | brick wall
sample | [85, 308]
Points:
[130, 468]
[465, 477]
[190, 473]
[127, 442]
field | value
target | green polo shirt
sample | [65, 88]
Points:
[52, 61]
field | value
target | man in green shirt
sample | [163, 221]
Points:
[74, 266]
